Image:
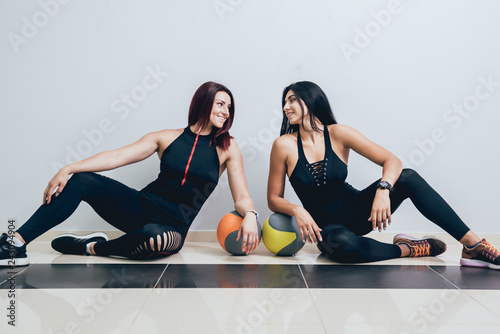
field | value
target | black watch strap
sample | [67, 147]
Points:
[384, 185]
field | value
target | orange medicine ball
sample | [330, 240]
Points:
[227, 231]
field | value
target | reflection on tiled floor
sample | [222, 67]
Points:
[202, 289]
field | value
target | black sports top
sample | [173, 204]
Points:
[321, 185]
[189, 172]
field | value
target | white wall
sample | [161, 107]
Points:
[66, 73]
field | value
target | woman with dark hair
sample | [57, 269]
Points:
[156, 219]
[313, 152]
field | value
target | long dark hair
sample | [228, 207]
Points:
[201, 107]
[316, 102]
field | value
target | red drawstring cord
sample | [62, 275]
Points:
[189, 160]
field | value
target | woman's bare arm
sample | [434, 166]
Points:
[242, 200]
[103, 161]
[308, 228]
[391, 169]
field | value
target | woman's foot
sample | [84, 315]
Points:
[429, 245]
[481, 255]
[10, 255]
[76, 244]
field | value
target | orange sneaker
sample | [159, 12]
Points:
[482, 255]
[429, 245]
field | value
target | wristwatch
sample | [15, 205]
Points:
[255, 212]
[384, 185]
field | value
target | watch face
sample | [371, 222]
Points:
[384, 185]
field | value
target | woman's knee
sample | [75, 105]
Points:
[84, 178]
[159, 241]
[407, 175]
[338, 239]
[408, 180]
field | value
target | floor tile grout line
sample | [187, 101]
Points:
[161, 275]
[447, 280]
[147, 299]
[312, 299]
[24, 268]
[303, 276]
[140, 310]
[480, 303]
[465, 292]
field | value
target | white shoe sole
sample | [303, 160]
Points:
[478, 264]
[88, 236]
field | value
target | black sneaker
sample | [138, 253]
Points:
[76, 244]
[10, 255]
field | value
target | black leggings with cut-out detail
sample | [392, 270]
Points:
[121, 206]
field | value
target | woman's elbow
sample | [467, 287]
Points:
[392, 161]
[271, 202]
[243, 202]
[398, 163]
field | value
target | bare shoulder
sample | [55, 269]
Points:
[347, 136]
[169, 133]
[342, 132]
[165, 137]
[285, 142]
[337, 130]
[233, 147]
[232, 152]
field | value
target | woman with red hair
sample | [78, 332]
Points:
[155, 219]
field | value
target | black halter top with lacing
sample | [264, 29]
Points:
[321, 185]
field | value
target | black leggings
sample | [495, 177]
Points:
[345, 244]
[146, 236]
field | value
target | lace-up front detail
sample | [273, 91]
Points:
[320, 185]
[318, 170]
